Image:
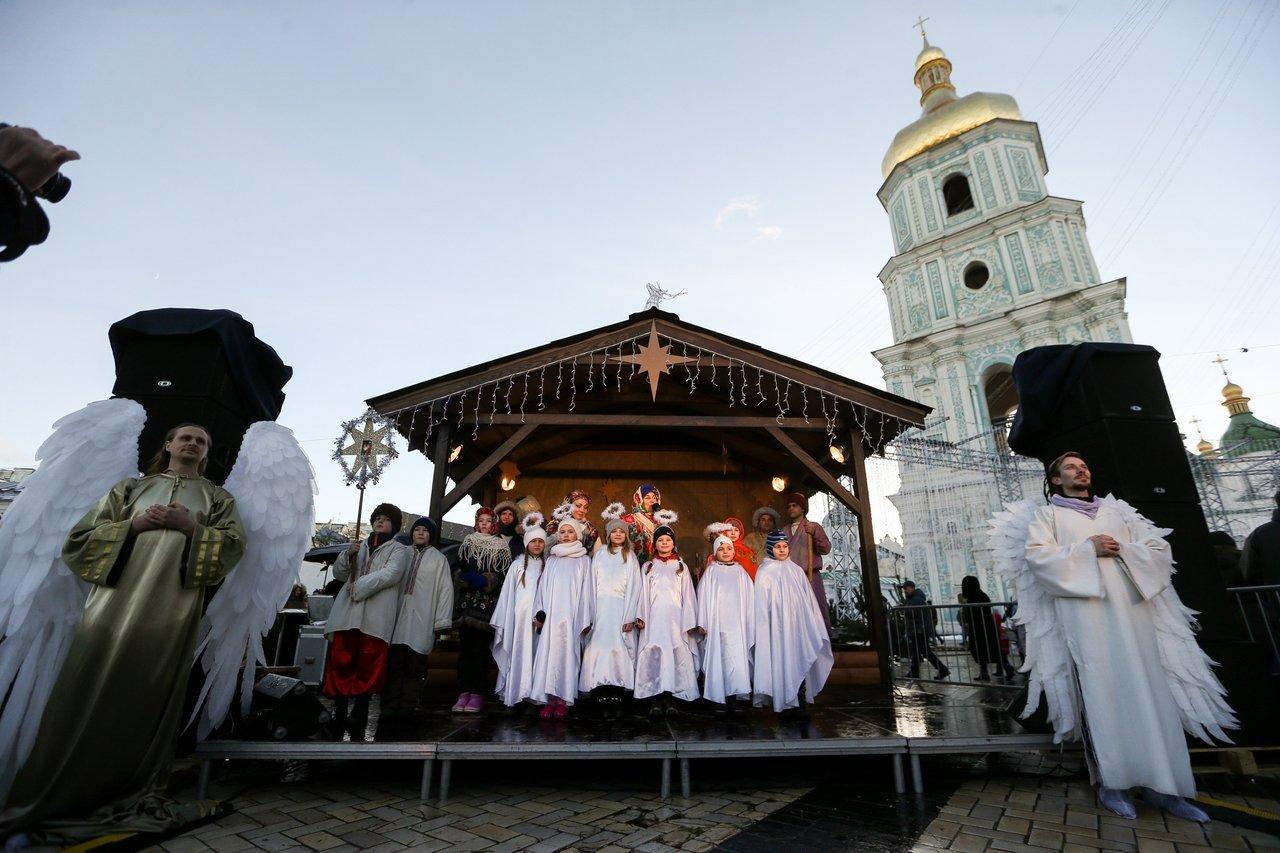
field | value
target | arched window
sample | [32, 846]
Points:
[956, 194]
[1000, 393]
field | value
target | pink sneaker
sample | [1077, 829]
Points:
[561, 710]
[460, 706]
[475, 704]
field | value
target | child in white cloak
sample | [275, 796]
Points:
[666, 614]
[562, 614]
[726, 623]
[793, 650]
[514, 639]
[609, 658]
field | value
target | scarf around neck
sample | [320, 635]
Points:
[1089, 507]
[568, 549]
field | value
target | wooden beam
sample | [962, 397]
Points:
[876, 623]
[826, 477]
[477, 473]
[660, 421]
[440, 472]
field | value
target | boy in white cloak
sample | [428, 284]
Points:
[726, 623]
[514, 638]
[666, 614]
[793, 650]
[1109, 642]
[426, 608]
[562, 614]
[609, 658]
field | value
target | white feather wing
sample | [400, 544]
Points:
[274, 488]
[41, 601]
[1048, 659]
[1199, 695]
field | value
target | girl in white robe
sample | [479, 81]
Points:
[793, 650]
[609, 658]
[666, 613]
[514, 639]
[563, 613]
[726, 623]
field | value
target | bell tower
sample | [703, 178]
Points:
[986, 264]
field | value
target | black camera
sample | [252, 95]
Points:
[56, 188]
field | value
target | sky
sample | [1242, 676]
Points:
[391, 191]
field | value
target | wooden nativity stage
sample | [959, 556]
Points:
[722, 427]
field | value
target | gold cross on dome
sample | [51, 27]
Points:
[653, 360]
[919, 25]
[1222, 364]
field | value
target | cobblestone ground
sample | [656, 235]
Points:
[1011, 805]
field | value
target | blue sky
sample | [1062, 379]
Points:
[391, 191]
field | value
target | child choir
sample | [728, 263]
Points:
[568, 610]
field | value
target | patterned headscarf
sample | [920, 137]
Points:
[637, 500]
[737, 522]
[482, 511]
[576, 494]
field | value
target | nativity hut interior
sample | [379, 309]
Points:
[720, 425]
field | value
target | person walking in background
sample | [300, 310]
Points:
[919, 624]
[982, 635]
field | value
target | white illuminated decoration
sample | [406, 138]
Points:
[365, 447]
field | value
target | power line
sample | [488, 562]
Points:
[1040, 55]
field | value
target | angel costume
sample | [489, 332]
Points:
[793, 648]
[1109, 633]
[668, 607]
[726, 611]
[564, 603]
[113, 715]
[609, 658]
[515, 642]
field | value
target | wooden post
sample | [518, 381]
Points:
[870, 567]
[439, 476]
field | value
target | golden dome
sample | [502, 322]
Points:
[1230, 390]
[945, 116]
[1204, 448]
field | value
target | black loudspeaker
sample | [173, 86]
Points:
[1132, 459]
[196, 366]
[1119, 385]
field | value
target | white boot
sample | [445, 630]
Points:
[1175, 806]
[1115, 801]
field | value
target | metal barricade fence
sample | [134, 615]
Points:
[963, 643]
[1260, 610]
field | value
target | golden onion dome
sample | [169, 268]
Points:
[1231, 390]
[945, 115]
[1204, 448]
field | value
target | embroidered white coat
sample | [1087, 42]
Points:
[426, 600]
[373, 607]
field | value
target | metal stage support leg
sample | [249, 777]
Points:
[899, 783]
[202, 783]
[684, 778]
[446, 770]
[428, 766]
[666, 778]
[917, 776]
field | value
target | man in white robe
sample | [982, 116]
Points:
[793, 656]
[726, 623]
[1110, 643]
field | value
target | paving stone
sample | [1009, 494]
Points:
[1154, 845]
[1014, 824]
[320, 841]
[966, 843]
[551, 845]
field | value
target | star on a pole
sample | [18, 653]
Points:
[367, 438]
[653, 360]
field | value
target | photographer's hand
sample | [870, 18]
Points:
[31, 158]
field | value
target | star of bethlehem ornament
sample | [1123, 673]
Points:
[653, 360]
[365, 447]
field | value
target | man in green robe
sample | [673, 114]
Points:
[150, 547]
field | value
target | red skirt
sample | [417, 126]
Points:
[356, 665]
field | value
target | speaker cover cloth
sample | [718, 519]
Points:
[1044, 376]
[257, 371]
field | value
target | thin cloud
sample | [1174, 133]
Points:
[746, 205]
[768, 232]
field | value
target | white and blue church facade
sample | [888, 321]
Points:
[986, 264]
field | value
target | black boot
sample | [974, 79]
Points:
[359, 720]
[339, 724]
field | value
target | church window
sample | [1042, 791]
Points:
[1000, 393]
[956, 194]
[976, 275]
